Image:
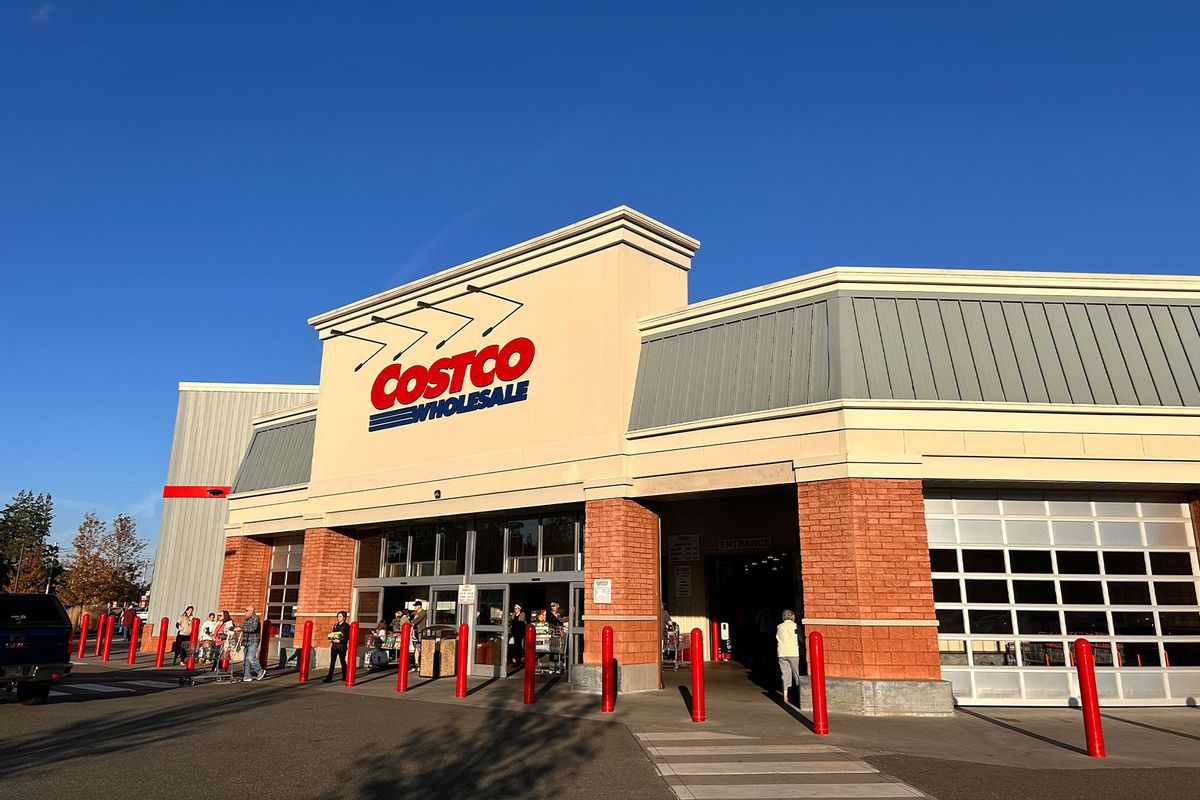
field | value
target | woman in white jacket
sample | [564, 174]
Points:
[787, 646]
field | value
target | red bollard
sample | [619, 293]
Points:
[108, 637]
[716, 641]
[460, 656]
[101, 625]
[697, 675]
[305, 650]
[530, 663]
[133, 641]
[816, 673]
[402, 657]
[351, 655]
[193, 640]
[162, 643]
[83, 630]
[1085, 664]
[607, 693]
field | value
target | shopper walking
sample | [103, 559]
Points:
[420, 621]
[251, 628]
[183, 632]
[339, 639]
[787, 648]
[223, 638]
[127, 618]
[208, 635]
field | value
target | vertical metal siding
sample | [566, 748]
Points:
[212, 431]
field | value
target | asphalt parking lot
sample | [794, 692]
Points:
[271, 739]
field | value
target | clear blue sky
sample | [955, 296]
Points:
[183, 184]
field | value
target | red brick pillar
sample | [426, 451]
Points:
[867, 588]
[622, 546]
[326, 582]
[244, 574]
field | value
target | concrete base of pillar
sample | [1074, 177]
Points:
[585, 678]
[877, 697]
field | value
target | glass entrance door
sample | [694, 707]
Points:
[490, 632]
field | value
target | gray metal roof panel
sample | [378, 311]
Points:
[279, 455]
[899, 346]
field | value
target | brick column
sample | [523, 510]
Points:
[867, 588]
[326, 584]
[244, 574]
[621, 545]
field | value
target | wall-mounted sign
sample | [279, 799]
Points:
[752, 543]
[466, 594]
[397, 385]
[683, 581]
[683, 547]
[601, 591]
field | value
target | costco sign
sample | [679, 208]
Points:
[437, 390]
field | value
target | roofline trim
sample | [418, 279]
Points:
[293, 388]
[931, 279]
[623, 216]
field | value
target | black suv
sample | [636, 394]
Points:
[35, 635]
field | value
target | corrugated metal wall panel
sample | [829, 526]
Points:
[1058, 350]
[279, 455]
[212, 431]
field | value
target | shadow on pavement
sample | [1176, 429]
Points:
[794, 712]
[1022, 731]
[1150, 727]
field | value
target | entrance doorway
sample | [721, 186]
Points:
[748, 592]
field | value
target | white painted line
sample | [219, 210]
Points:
[153, 684]
[95, 687]
[742, 749]
[687, 736]
[53, 693]
[762, 767]
[784, 791]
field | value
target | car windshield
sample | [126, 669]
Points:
[31, 609]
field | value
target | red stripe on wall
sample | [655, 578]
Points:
[196, 491]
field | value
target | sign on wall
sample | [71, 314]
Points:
[602, 591]
[683, 547]
[750, 543]
[466, 594]
[683, 581]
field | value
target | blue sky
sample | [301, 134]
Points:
[182, 185]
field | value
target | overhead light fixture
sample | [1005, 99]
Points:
[431, 306]
[410, 345]
[517, 306]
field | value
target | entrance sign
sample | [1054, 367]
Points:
[466, 594]
[397, 385]
[683, 581]
[683, 547]
[601, 591]
[753, 543]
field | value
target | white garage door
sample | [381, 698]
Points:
[1017, 577]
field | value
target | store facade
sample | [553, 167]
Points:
[924, 464]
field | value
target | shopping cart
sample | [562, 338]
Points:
[220, 656]
[673, 647]
[552, 643]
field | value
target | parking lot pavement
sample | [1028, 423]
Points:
[275, 738]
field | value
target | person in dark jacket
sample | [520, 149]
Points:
[516, 629]
[339, 639]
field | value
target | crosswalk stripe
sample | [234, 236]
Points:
[95, 687]
[687, 736]
[783, 791]
[54, 693]
[762, 767]
[741, 750]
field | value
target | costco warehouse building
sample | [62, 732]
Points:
[950, 473]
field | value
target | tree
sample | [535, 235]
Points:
[121, 550]
[27, 559]
[88, 579]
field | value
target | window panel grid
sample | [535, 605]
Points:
[1115, 572]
